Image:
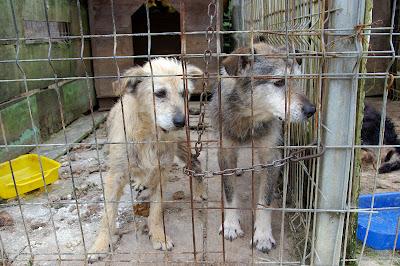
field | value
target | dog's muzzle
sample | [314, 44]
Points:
[179, 120]
[309, 110]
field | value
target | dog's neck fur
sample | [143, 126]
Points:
[239, 123]
[243, 127]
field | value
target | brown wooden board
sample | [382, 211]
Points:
[100, 16]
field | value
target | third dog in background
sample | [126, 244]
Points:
[370, 136]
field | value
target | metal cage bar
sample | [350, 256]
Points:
[336, 164]
[316, 197]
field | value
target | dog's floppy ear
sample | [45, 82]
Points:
[235, 63]
[194, 74]
[132, 78]
[193, 71]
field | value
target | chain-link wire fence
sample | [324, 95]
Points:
[312, 208]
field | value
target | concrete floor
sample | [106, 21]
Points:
[132, 244]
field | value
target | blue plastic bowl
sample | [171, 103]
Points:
[382, 231]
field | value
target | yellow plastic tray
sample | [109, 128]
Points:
[27, 174]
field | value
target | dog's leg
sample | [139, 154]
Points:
[368, 157]
[155, 222]
[113, 189]
[391, 163]
[263, 239]
[184, 153]
[227, 159]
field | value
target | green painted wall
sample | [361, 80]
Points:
[58, 10]
[74, 101]
[75, 98]
[17, 122]
[17, 125]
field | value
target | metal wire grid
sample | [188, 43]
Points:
[273, 15]
[303, 19]
[301, 24]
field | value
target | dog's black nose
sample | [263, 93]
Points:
[179, 120]
[309, 110]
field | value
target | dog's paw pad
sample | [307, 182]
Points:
[263, 240]
[231, 230]
[162, 244]
[92, 258]
[385, 168]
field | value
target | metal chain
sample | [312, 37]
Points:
[294, 156]
[210, 34]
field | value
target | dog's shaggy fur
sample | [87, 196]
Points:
[240, 125]
[370, 136]
[146, 161]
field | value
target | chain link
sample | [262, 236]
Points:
[210, 35]
[294, 156]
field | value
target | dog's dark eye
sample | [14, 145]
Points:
[280, 83]
[160, 93]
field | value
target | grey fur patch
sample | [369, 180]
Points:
[234, 125]
[236, 99]
[258, 130]
[268, 193]
[228, 188]
[233, 97]
[227, 159]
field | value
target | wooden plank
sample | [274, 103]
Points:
[101, 23]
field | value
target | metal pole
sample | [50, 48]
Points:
[339, 116]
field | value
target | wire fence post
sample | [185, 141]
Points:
[339, 117]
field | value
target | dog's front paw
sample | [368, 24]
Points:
[92, 258]
[387, 167]
[263, 240]
[138, 186]
[97, 253]
[142, 191]
[161, 243]
[231, 230]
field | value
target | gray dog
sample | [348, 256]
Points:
[259, 118]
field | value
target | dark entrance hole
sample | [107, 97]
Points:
[163, 18]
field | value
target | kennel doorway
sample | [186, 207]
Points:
[162, 18]
[128, 22]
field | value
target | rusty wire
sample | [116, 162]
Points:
[301, 159]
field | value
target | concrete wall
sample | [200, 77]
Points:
[16, 121]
